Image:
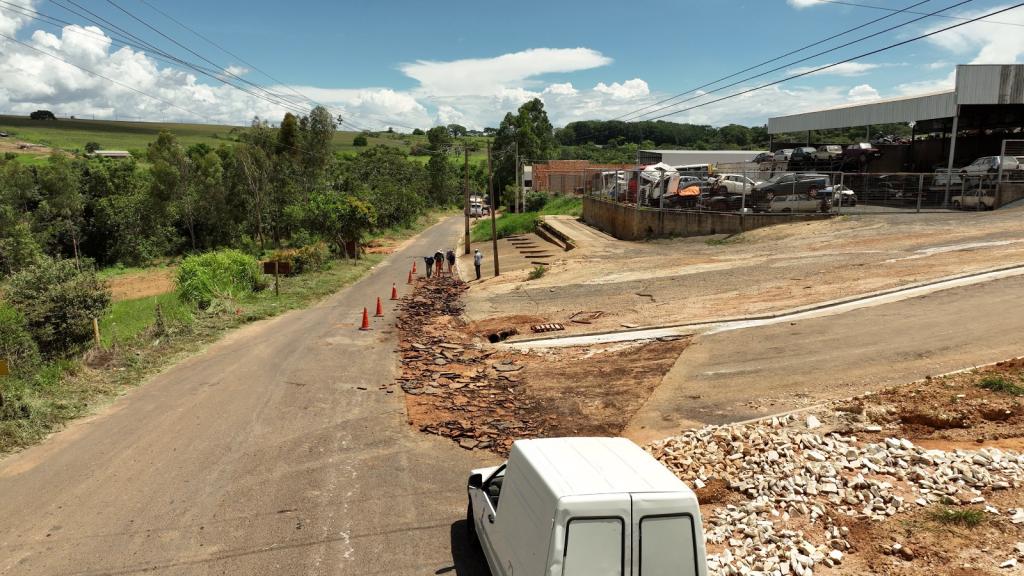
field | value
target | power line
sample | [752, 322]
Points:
[827, 66]
[777, 58]
[948, 16]
[805, 59]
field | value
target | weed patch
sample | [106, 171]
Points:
[537, 272]
[1001, 384]
[969, 517]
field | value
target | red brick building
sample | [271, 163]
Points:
[569, 176]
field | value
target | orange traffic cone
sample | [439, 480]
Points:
[366, 320]
[380, 309]
[413, 266]
[394, 291]
[409, 281]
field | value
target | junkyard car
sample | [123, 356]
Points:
[799, 203]
[584, 507]
[828, 153]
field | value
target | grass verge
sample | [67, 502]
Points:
[969, 517]
[511, 224]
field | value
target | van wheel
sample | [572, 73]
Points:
[470, 524]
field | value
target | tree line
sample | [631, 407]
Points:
[271, 188]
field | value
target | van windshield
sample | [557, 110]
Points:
[593, 546]
[667, 546]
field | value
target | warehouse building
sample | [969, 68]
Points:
[951, 128]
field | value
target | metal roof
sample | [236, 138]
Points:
[587, 466]
[975, 84]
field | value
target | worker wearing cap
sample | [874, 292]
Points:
[478, 259]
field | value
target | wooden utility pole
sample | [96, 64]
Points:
[519, 189]
[494, 226]
[465, 190]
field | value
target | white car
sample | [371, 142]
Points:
[783, 154]
[799, 203]
[585, 507]
[733, 184]
[974, 200]
[989, 165]
[828, 152]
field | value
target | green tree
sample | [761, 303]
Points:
[60, 214]
[417, 132]
[359, 141]
[288, 135]
[531, 130]
[58, 302]
[342, 218]
[439, 168]
[457, 130]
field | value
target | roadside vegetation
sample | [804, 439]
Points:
[1001, 384]
[74, 224]
[520, 223]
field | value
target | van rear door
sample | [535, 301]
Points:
[592, 536]
[666, 535]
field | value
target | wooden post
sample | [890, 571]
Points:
[277, 281]
[96, 331]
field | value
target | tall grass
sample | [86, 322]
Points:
[218, 275]
[524, 222]
[129, 318]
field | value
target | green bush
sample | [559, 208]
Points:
[16, 344]
[59, 302]
[222, 274]
[311, 258]
[535, 201]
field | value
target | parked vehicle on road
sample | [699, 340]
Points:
[974, 199]
[783, 154]
[841, 195]
[732, 184]
[828, 153]
[584, 507]
[800, 203]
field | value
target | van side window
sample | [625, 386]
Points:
[593, 546]
[492, 487]
[668, 546]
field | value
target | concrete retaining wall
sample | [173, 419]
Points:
[627, 223]
[1009, 192]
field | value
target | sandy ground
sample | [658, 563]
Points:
[148, 282]
[770, 269]
[13, 145]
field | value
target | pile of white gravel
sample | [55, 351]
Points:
[789, 472]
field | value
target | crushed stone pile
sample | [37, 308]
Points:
[794, 477]
[476, 386]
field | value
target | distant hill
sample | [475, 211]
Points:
[134, 136]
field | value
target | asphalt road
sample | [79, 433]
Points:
[747, 373]
[261, 456]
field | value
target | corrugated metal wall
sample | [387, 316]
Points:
[990, 84]
[940, 105]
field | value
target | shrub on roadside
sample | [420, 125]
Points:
[58, 302]
[310, 258]
[16, 344]
[216, 275]
[535, 201]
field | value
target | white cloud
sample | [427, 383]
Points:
[564, 89]
[627, 90]
[844, 69]
[488, 76]
[990, 42]
[938, 65]
[234, 70]
[800, 4]
[862, 93]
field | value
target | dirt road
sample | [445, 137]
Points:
[273, 453]
[741, 374]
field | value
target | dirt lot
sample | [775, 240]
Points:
[459, 386]
[16, 146]
[765, 270]
[148, 282]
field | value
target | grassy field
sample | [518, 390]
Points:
[512, 224]
[72, 135]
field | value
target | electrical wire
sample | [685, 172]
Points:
[827, 66]
[775, 59]
[948, 16]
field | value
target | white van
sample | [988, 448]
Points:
[585, 507]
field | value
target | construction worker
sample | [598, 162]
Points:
[439, 263]
[451, 260]
[478, 259]
[430, 264]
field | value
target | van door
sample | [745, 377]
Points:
[667, 537]
[592, 536]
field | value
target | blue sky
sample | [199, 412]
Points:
[413, 63]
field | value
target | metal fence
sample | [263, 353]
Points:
[771, 188]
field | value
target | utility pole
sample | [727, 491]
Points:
[515, 197]
[494, 227]
[465, 190]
